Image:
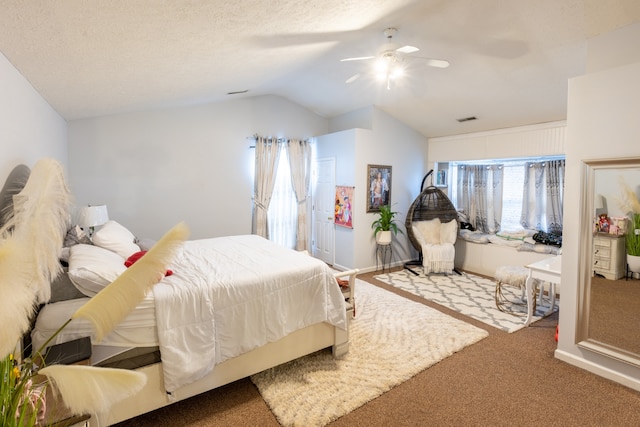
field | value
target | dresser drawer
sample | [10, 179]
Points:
[601, 263]
[601, 252]
[602, 242]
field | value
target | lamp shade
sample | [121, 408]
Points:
[91, 216]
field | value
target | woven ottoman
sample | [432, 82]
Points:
[513, 276]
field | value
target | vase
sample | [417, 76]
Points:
[634, 263]
[383, 237]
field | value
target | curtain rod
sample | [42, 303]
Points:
[255, 138]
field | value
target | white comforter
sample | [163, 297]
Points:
[230, 295]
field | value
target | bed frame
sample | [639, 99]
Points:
[295, 345]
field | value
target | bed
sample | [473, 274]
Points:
[228, 307]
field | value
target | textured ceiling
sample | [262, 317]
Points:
[510, 59]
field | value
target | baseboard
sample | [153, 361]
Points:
[599, 370]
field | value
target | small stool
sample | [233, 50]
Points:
[513, 276]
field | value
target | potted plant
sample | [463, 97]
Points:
[632, 241]
[384, 225]
[629, 203]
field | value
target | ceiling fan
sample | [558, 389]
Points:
[389, 64]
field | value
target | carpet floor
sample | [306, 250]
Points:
[503, 380]
[391, 340]
[468, 294]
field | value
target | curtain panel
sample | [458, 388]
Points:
[286, 221]
[267, 155]
[543, 196]
[299, 153]
[479, 195]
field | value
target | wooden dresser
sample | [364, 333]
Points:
[609, 256]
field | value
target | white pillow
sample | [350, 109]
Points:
[116, 238]
[91, 268]
[429, 230]
[449, 232]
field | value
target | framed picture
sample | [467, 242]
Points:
[379, 185]
[344, 206]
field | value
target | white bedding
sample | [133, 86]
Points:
[226, 296]
[230, 295]
[136, 330]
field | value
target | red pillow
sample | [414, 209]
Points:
[133, 258]
[136, 256]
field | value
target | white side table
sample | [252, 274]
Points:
[549, 270]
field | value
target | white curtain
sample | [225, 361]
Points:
[299, 154]
[266, 162]
[543, 196]
[479, 189]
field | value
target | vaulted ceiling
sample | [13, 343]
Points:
[509, 59]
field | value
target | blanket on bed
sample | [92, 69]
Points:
[230, 295]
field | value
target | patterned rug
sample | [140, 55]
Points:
[471, 295]
[392, 339]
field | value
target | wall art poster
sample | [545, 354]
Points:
[379, 184]
[344, 206]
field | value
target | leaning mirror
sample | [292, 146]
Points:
[610, 295]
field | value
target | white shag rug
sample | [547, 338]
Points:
[468, 294]
[392, 339]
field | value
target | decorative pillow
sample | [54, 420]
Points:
[76, 235]
[63, 289]
[116, 238]
[474, 236]
[145, 243]
[429, 230]
[91, 268]
[449, 232]
[133, 258]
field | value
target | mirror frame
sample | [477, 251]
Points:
[590, 167]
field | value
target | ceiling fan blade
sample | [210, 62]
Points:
[357, 58]
[407, 49]
[353, 78]
[437, 63]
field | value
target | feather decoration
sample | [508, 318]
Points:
[30, 248]
[90, 389]
[18, 303]
[113, 303]
[628, 200]
[41, 219]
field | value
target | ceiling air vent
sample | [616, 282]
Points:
[467, 119]
[237, 92]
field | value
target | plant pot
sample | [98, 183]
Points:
[383, 237]
[634, 263]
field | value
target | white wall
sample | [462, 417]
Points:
[389, 142]
[156, 168]
[30, 128]
[342, 147]
[602, 123]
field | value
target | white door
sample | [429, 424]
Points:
[323, 210]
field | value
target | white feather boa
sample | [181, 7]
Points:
[30, 246]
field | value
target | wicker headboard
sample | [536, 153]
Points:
[13, 185]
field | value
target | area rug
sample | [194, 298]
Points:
[468, 294]
[392, 339]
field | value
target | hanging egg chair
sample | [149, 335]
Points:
[431, 203]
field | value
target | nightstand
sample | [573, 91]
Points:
[76, 352]
[609, 256]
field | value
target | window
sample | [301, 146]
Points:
[512, 187]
